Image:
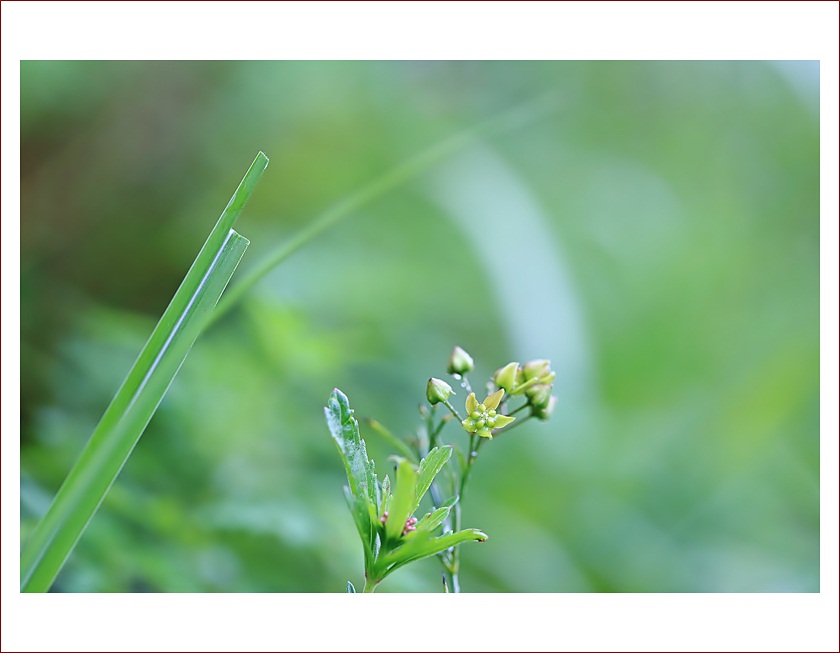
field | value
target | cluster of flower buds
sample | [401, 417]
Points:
[534, 380]
[410, 523]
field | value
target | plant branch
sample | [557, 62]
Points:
[452, 410]
[518, 422]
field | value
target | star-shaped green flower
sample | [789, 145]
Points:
[482, 418]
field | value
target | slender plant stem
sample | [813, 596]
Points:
[518, 422]
[439, 428]
[454, 580]
[516, 410]
[455, 566]
[451, 559]
[452, 410]
[393, 440]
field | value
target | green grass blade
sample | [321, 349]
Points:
[137, 399]
[506, 121]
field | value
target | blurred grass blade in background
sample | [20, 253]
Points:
[139, 396]
[507, 121]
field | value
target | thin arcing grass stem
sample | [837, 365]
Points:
[504, 122]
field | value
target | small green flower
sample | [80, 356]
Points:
[438, 391]
[482, 418]
[460, 362]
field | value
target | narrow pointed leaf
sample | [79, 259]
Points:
[403, 500]
[386, 496]
[421, 545]
[345, 431]
[432, 520]
[361, 515]
[373, 513]
[429, 468]
[453, 539]
[450, 502]
[350, 588]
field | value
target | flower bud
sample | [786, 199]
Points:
[545, 413]
[536, 369]
[460, 362]
[438, 391]
[506, 377]
[539, 396]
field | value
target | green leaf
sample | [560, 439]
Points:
[450, 502]
[137, 399]
[429, 468]
[350, 588]
[453, 539]
[361, 515]
[345, 431]
[433, 519]
[386, 496]
[419, 545]
[403, 501]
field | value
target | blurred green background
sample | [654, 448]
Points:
[656, 237]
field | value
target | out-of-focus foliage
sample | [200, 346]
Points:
[656, 237]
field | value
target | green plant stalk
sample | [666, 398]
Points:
[447, 558]
[370, 586]
[454, 565]
[452, 562]
[135, 402]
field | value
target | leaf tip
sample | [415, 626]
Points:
[339, 403]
